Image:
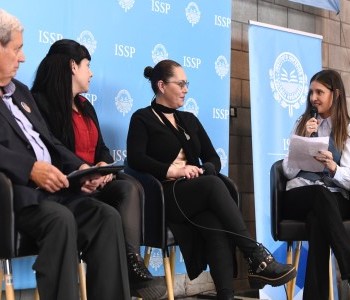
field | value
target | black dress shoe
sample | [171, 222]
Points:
[137, 269]
[264, 269]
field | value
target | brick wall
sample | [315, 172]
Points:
[335, 30]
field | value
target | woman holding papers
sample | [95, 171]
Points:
[60, 79]
[322, 198]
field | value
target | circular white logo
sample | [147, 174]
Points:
[123, 101]
[191, 106]
[159, 53]
[156, 260]
[126, 4]
[222, 66]
[223, 157]
[87, 39]
[193, 14]
[288, 82]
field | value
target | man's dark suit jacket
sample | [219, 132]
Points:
[17, 156]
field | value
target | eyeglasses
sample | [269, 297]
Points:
[181, 83]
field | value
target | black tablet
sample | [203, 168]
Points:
[77, 177]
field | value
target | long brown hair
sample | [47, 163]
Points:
[339, 113]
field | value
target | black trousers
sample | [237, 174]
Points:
[64, 226]
[207, 202]
[125, 196]
[323, 212]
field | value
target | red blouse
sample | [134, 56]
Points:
[86, 136]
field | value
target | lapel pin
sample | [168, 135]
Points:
[26, 107]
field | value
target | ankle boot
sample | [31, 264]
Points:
[137, 269]
[142, 283]
[263, 269]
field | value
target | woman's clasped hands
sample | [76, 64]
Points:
[190, 171]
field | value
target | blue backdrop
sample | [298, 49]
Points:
[281, 65]
[123, 37]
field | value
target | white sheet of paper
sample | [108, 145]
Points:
[302, 151]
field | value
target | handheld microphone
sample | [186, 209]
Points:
[313, 114]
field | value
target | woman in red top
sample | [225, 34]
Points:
[60, 79]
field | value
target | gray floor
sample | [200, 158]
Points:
[199, 298]
[242, 295]
[28, 295]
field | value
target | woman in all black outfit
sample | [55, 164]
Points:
[172, 144]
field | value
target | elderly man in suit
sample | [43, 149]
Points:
[61, 221]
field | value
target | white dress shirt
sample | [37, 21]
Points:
[41, 151]
[342, 176]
